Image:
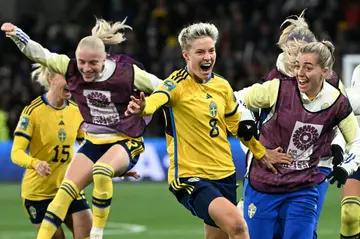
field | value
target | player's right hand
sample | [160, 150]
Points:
[136, 106]
[43, 168]
[338, 154]
[8, 28]
[275, 156]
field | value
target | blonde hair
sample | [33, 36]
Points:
[104, 33]
[324, 50]
[297, 30]
[291, 50]
[42, 74]
[196, 31]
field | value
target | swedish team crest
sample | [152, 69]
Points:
[23, 122]
[251, 210]
[213, 109]
[32, 211]
[169, 85]
[62, 135]
[324, 106]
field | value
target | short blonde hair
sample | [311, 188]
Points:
[196, 31]
[325, 51]
[104, 33]
[42, 74]
[297, 30]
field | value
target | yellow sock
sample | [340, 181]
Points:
[102, 194]
[350, 217]
[57, 209]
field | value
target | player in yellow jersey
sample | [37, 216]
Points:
[49, 128]
[101, 85]
[200, 107]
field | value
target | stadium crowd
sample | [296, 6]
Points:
[246, 50]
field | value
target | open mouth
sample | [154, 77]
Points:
[205, 67]
[66, 90]
[303, 82]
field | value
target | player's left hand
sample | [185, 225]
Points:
[338, 154]
[131, 173]
[338, 174]
[136, 106]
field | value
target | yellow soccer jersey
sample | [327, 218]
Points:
[196, 126]
[51, 135]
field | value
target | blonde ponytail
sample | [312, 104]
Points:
[298, 29]
[108, 32]
[41, 74]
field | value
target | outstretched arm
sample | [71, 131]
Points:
[34, 51]
[145, 81]
[259, 96]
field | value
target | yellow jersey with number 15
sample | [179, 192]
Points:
[51, 135]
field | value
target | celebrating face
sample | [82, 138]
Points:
[201, 58]
[309, 74]
[90, 63]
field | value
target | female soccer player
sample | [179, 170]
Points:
[49, 127]
[305, 110]
[101, 86]
[295, 35]
[200, 107]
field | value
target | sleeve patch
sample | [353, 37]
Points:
[23, 122]
[169, 85]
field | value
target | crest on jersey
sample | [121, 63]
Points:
[251, 210]
[213, 109]
[62, 135]
[169, 85]
[23, 122]
[324, 106]
[32, 211]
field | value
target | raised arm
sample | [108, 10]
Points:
[145, 81]
[34, 51]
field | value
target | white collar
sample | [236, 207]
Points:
[109, 68]
[324, 88]
[281, 66]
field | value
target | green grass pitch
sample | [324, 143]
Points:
[144, 211]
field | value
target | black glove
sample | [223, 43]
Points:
[338, 174]
[247, 129]
[338, 154]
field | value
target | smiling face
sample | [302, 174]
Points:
[309, 74]
[57, 84]
[90, 63]
[201, 57]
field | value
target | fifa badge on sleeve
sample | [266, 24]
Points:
[169, 85]
[23, 122]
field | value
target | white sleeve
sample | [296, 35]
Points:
[240, 94]
[245, 113]
[353, 95]
[352, 161]
[35, 52]
[339, 139]
[355, 80]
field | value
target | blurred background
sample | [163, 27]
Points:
[249, 30]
